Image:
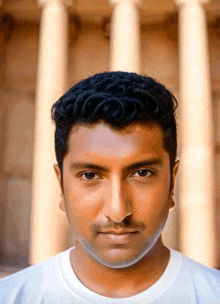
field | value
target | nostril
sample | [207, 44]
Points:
[117, 214]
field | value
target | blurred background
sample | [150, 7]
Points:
[48, 46]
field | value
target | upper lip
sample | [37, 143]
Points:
[118, 231]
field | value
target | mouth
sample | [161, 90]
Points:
[118, 236]
[118, 231]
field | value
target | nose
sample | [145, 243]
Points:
[117, 204]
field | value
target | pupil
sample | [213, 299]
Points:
[142, 172]
[89, 175]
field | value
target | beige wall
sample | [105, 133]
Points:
[88, 54]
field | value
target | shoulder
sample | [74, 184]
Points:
[203, 280]
[33, 280]
[195, 267]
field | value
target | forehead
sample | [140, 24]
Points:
[102, 140]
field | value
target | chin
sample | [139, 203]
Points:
[117, 259]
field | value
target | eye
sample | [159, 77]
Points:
[143, 173]
[89, 175]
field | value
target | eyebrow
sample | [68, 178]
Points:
[84, 165]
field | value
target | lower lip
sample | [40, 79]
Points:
[118, 238]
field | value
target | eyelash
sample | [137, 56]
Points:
[88, 172]
[146, 170]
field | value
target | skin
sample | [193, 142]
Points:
[121, 194]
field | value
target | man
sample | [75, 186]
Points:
[115, 145]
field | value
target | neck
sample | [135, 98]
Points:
[125, 282]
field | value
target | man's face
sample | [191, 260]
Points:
[116, 188]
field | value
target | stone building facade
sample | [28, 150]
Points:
[84, 40]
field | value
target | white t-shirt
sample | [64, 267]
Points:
[53, 281]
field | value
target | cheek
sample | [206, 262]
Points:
[82, 207]
[153, 205]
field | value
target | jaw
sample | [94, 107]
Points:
[118, 257]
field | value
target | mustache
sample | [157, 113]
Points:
[111, 225]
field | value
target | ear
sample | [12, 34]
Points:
[173, 180]
[58, 175]
[174, 174]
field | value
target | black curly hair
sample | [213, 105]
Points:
[118, 99]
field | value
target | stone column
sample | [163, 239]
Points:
[125, 36]
[48, 223]
[198, 218]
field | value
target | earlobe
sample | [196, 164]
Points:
[62, 205]
[172, 204]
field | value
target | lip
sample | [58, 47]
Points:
[117, 232]
[118, 238]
